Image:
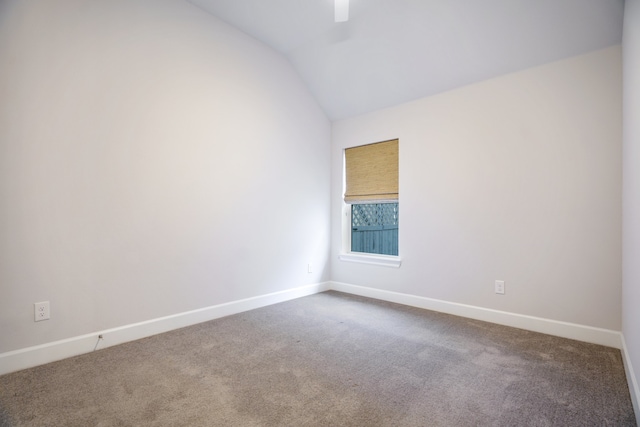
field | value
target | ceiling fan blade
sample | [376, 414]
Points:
[342, 10]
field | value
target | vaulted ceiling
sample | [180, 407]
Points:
[394, 51]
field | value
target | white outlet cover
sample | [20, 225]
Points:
[499, 287]
[41, 311]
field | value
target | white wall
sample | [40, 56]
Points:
[517, 179]
[631, 191]
[153, 160]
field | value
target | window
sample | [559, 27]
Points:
[371, 177]
[374, 228]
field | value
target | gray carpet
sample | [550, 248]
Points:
[329, 359]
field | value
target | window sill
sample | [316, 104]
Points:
[383, 260]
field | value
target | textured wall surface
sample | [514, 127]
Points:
[153, 160]
[515, 179]
[631, 185]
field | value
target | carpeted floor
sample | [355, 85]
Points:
[329, 359]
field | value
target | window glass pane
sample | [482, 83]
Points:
[374, 228]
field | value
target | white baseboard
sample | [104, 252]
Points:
[38, 355]
[634, 389]
[50, 352]
[574, 331]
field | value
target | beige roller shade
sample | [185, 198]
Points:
[372, 173]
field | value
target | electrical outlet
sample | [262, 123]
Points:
[41, 311]
[309, 268]
[500, 287]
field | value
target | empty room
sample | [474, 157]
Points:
[319, 213]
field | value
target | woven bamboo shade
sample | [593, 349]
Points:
[372, 173]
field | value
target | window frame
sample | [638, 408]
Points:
[394, 261]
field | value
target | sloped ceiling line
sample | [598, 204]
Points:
[394, 51]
